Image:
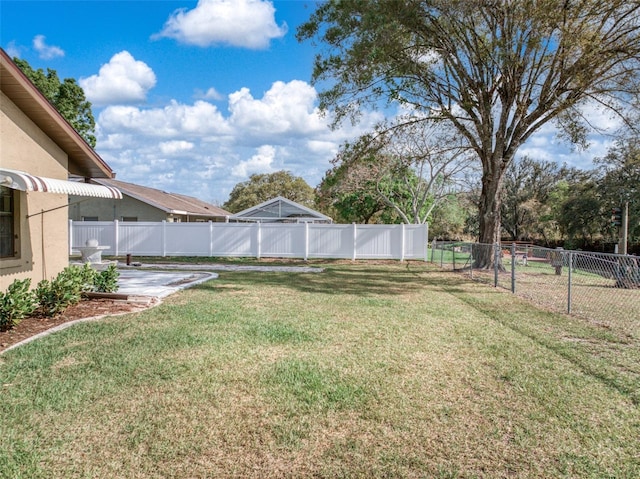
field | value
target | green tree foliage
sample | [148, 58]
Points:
[451, 218]
[620, 181]
[527, 187]
[66, 96]
[404, 168]
[262, 187]
[337, 197]
[496, 71]
[582, 217]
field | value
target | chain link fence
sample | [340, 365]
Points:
[604, 288]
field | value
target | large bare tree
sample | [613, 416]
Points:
[496, 70]
[413, 164]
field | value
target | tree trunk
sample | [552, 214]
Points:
[490, 219]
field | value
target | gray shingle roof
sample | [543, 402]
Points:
[169, 202]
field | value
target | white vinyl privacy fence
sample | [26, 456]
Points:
[275, 240]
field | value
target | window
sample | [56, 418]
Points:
[129, 218]
[89, 218]
[7, 223]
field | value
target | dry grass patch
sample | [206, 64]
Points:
[362, 371]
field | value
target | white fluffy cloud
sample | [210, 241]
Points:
[46, 52]
[210, 94]
[261, 162]
[196, 150]
[123, 80]
[175, 147]
[287, 108]
[240, 23]
[174, 121]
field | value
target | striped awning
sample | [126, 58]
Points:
[19, 180]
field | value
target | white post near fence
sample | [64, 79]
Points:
[306, 240]
[70, 236]
[426, 243]
[116, 236]
[402, 239]
[164, 238]
[355, 241]
[211, 237]
[258, 240]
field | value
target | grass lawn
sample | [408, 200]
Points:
[365, 370]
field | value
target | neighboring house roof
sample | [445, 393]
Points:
[83, 160]
[169, 202]
[279, 209]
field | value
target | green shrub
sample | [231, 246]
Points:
[66, 289]
[107, 281]
[86, 276]
[16, 303]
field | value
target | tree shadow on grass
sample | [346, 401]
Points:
[359, 281]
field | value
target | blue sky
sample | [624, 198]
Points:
[193, 97]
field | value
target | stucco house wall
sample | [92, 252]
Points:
[24, 143]
[39, 150]
[109, 210]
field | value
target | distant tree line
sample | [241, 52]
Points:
[543, 202]
[414, 170]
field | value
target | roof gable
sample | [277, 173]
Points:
[280, 209]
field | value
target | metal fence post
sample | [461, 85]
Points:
[441, 256]
[496, 264]
[513, 267]
[453, 255]
[471, 260]
[569, 282]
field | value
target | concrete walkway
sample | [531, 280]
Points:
[158, 284]
[160, 280]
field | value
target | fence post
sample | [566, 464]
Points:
[402, 235]
[496, 263]
[513, 267]
[453, 255]
[306, 240]
[258, 240]
[70, 236]
[471, 261]
[569, 282]
[355, 242]
[441, 256]
[164, 238]
[426, 243]
[211, 238]
[116, 237]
